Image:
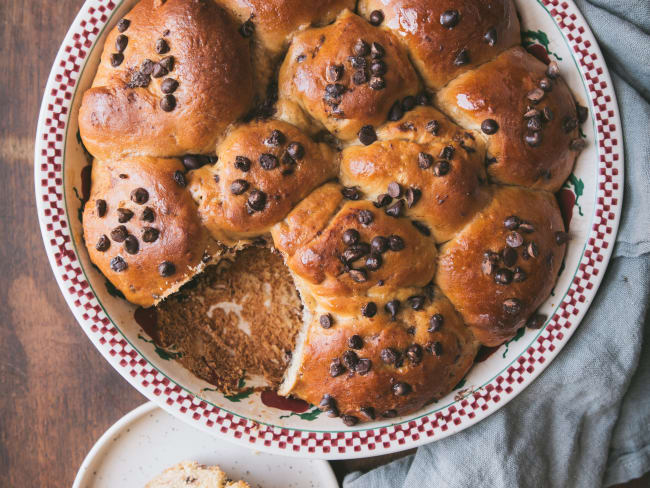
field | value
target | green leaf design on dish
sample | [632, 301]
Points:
[518, 335]
[166, 355]
[310, 415]
[578, 188]
[532, 37]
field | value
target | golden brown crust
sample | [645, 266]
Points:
[226, 210]
[434, 364]
[164, 228]
[498, 90]
[463, 273]
[210, 63]
[435, 48]
[304, 75]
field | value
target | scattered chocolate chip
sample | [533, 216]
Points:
[488, 265]
[118, 264]
[395, 113]
[533, 112]
[519, 275]
[514, 239]
[535, 95]
[167, 62]
[216, 178]
[401, 389]
[547, 113]
[357, 62]
[334, 73]
[350, 237]
[268, 161]
[412, 196]
[365, 217]
[369, 309]
[275, 139]
[441, 168]
[139, 80]
[333, 412]
[577, 144]
[349, 420]
[351, 192]
[392, 307]
[512, 222]
[433, 126]
[140, 196]
[536, 321]
[378, 68]
[533, 250]
[355, 341]
[462, 58]
[242, 163]
[373, 262]
[361, 48]
[350, 359]
[569, 124]
[147, 215]
[169, 86]
[534, 124]
[121, 42]
[389, 414]
[503, 276]
[435, 322]
[422, 99]
[377, 83]
[247, 28]
[408, 103]
[434, 348]
[336, 368]
[377, 51]
[358, 275]
[256, 200]
[490, 37]
[238, 187]
[124, 215]
[100, 207]
[147, 66]
[583, 113]
[533, 139]
[369, 412]
[509, 256]
[161, 46]
[383, 200]
[116, 59]
[416, 301]
[363, 366]
[395, 243]
[395, 210]
[379, 244]
[131, 244]
[327, 402]
[449, 19]
[394, 189]
[166, 269]
[512, 306]
[425, 160]
[553, 70]
[360, 77]
[123, 25]
[376, 17]
[447, 153]
[367, 135]
[179, 178]
[296, 150]
[326, 321]
[545, 84]
[103, 243]
[489, 126]
[561, 238]
[414, 353]
[150, 234]
[168, 103]
[389, 355]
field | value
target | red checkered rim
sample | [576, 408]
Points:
[49, 166]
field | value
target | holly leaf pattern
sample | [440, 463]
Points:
[540, 37]
[162, 353]
[309, 415]
[518, 335]
[578, 188]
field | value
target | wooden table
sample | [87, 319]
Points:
[57, 394]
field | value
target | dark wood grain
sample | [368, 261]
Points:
[57, 394]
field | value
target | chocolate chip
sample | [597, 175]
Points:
[512, 222]
[365, 217]
[275, 139]
[268, 161]
[487, 266]
[441, 168]
[394, 189]
[425, 160]
[489, 126]
[169, 86]
[389, 355]
[367, 135]
[140, 196]
[490, 37]
[434, 348]
[357, 62]
[361, 48]
[533, 139]
[569, 124]
[462, 58]
[414, 353]
[131, 244]
[412, 196]
[327, 402]
[503, 276]
[326, 321]
[355, 341]
[333, 412]
[369, 412]
[519, 275]
[349, 420]
[216, 178]
[360, 77]
[351, 192]
[139, 80]
[547, 113]
[379, 244]
[545, 84]
[159, 71]
[577, 144]
[416, 302]
[395, 243]
[378, 68]
[124, 215]
[401, 389]
[358, 275]
[553, 70]
[146, 66]
[514, 239]
[395, 210]
[350, 359]
[447, 153]
[350, 237]
[161, 46]
[433, 126]
[242, 163]
[100, 207]
[408, 103]
[334, 73]
[168, 103]
[148, 215]
[121, 42]
[449, 19]
[336, 368]
[150, 234]
[534, 124]
[536, 321]
[392, 307]
[382, 200]
[395, 113]
[118, 264]
[422, 99]
[247, 28]
[166, 269]
[369, 309]
[123, 25]
[533, 250]
[238, 187]
[509, 256]
[435, 322]
[583, 113]
[296, 150]
[377, 51]
[102, 243]
[373, 262]
[167, 62]
[256, 200]
[561, 238]
[179, 178]
[116, 59]
[512, 306]
[376, 17]
[377, 83]
[389, 414]
[535, 95]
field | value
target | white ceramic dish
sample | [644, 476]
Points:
[592, 196]
[146, 441]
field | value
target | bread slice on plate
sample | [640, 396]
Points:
[195, 475]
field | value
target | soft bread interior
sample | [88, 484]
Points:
[191, 473]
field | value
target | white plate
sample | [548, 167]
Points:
[146, 441]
